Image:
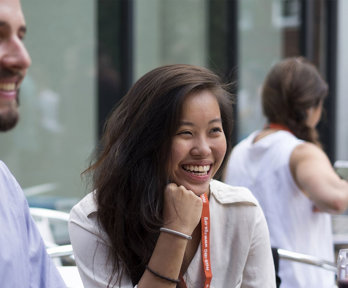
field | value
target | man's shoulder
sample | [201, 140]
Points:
[3, 168]
[7, 180]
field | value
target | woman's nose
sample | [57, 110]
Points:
[201, 147]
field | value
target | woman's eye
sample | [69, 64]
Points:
[216, 130]
[184, 133]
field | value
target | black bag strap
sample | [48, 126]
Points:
[276, 265]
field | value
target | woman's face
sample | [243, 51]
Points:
[199, 145]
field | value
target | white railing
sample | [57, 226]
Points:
[307, 259]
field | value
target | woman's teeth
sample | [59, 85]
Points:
[198, 169]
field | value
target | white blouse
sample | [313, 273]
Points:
[239, 243]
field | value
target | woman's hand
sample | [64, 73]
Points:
[182, 209]
[182, 213]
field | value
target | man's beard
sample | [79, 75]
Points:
[9, 119]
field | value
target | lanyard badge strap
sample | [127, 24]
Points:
[205, 222]
[205, 236]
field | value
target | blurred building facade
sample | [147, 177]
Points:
[86, 54]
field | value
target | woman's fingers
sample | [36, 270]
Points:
[182, 208]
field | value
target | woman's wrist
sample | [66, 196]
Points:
[176, 233]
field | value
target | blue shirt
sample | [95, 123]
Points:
[23, 258]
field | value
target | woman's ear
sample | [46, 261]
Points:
[313, 115]
[309, 112]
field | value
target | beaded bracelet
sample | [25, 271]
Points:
[177, 233]
[177, 281]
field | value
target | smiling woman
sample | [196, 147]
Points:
[199, 146]
[157, 216]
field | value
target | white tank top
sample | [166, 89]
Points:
[264, 168]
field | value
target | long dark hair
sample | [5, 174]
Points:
[129, 173]
[292, 87]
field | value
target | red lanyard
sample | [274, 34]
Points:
[205, 222]
[278, 127]
[205, 245]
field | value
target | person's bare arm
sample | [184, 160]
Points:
[182, 212]
[315, 176]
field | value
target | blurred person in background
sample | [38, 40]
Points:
[287, 170]
[156, 217]
[23, 258]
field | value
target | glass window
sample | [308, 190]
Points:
[268, 31]
[167, 32]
